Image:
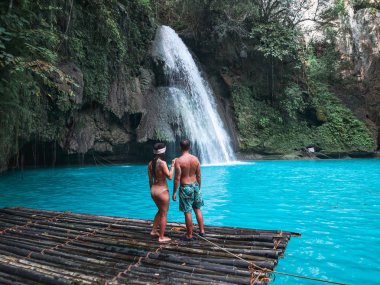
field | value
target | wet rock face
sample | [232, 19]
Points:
[159, 72]
[361, 45]
[76, 87]
[126, 93]
[95, 130]
[112, 128]
[373, 94]
[364, 43]
[158, 120]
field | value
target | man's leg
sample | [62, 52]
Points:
[199, 216]
[189, 225]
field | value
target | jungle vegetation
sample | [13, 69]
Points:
[282, 99]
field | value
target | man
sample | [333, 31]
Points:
[188, 176]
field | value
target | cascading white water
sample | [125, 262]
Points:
[192, 99]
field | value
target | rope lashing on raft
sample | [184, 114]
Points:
[30, 223]
[70, 240]
[176, 229]
[277, 243]
[258, 275]
[265, 271]
[141, 258]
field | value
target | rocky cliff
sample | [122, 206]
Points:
[93, 108]
[359, 44]
[81, 79]
[277, 109]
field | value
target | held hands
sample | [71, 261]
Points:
[173, 162]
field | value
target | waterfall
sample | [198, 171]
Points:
[191, 99]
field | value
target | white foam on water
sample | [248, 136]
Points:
[231, 163]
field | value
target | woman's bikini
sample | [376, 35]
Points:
[156, 190]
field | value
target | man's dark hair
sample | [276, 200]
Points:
[185, 144]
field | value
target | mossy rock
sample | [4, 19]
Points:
[265, 129]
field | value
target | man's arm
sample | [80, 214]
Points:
[198, 174]
[177, 180]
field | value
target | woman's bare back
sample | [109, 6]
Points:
[159, 178]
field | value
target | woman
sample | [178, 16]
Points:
[158, 172]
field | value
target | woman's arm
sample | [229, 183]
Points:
[168, 173]
[172, 166]
[150, 174]
[177, 180]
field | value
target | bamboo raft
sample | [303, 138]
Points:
[49, 247]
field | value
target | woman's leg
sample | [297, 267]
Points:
[156, 221]
[162, 202]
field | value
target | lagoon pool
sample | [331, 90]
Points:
[334, 204]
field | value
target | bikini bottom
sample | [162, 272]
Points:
[157, 190]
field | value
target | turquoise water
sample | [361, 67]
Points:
[335, 204]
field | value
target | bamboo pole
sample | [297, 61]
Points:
[33, 275]
[50, 247]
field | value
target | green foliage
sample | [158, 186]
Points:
[292, 102]
[145, 4]
[374, 5]
[341, 130]
[233, 18]
[262, 127]
[265, 128]
[336, 10]
[276, 40]
[31, 83]
[321, 62]
[162, 135]
[5, 57]
[104, 38]
[281, 91]
[269, 25]
[101, 37]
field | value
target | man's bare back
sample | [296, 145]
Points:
[188, 169]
